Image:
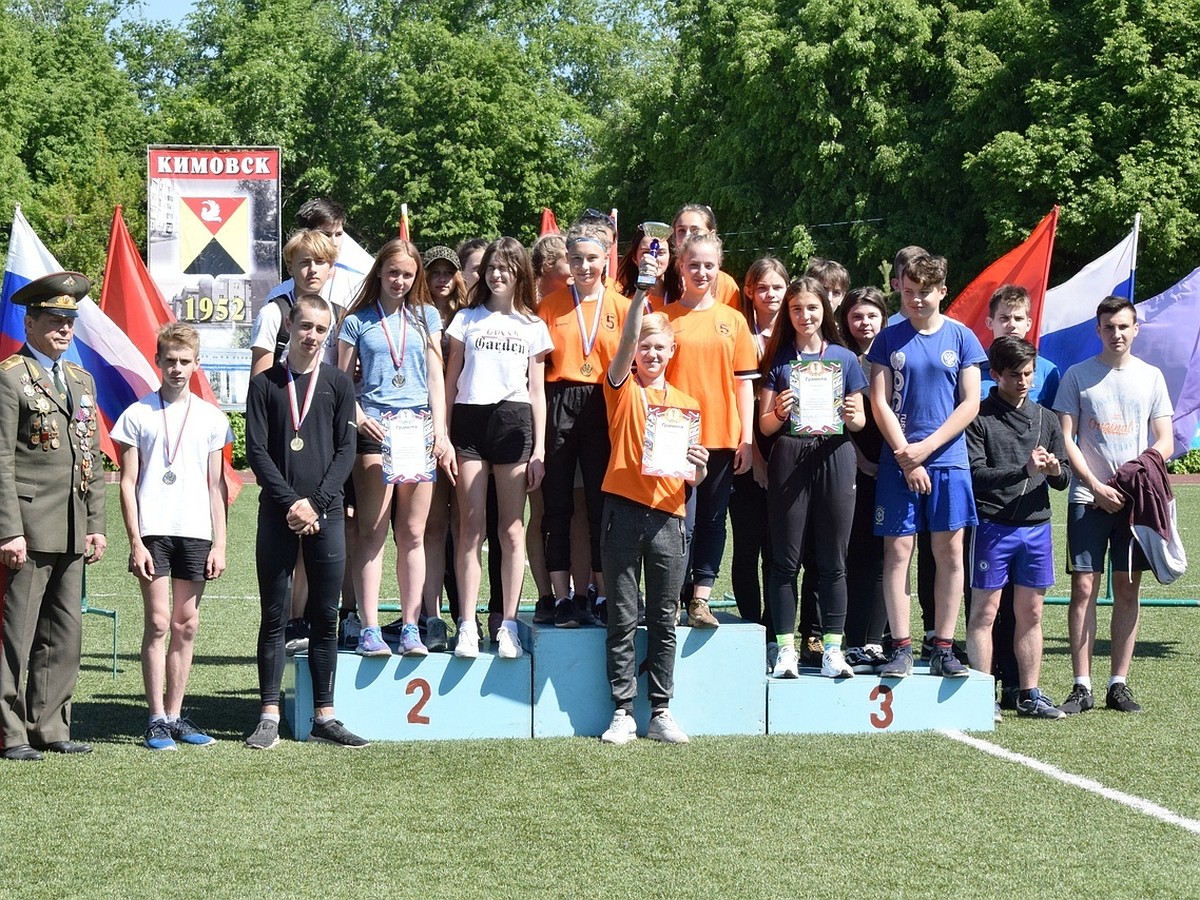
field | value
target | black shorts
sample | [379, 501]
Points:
[183, 558]
[497, 433]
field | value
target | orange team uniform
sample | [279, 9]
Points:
[728, 293]
[627, 431]
[566, 361]
[713, 350]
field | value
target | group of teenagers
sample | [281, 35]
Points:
[456, 394]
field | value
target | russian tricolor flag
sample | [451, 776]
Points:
[1067, 334]
[122, 374]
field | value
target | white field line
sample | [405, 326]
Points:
[1143, 806]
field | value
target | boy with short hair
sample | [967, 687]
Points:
[1112, 407]
[833, 275]
[1010, 313]
[924, 392]
[300, 442]
[173, 501]
[1016, 452]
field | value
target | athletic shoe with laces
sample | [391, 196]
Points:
[264, 736]
[509, 645]
[543, 610]
[621, 730]
[466, 644]
[900, 665]
[437, 638]
[1038, 706]
[349, 631]
[410, 642]
[334, 732]
[772, 656]
[787, 664]
[700, 616]
[564, 614]
[833, 664]
[393, 630]
[1009, 697]
[185, 731]
[944, 664]
[600, 611]
[158, 736]
[861, 660]
[371, 643]
[663, 728]
[295, 636]
[1120, 698]
[1080, 700]
[583, 610]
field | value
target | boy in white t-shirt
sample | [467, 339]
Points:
[173, 501]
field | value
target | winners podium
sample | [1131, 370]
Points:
[559, 688]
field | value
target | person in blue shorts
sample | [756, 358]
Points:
[1017, 454]
[924, 392]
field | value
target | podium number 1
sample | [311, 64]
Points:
[885, 716]
[418, 686]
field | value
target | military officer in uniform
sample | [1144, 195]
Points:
[51, 519]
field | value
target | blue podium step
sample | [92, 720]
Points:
[405, 698]
[718, 679]
[811, 704]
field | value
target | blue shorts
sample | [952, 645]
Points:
[1002, 553]
[1092, 531]
[900, 511]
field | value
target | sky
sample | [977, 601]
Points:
[172, 10]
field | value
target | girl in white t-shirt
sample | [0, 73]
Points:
[495, 399]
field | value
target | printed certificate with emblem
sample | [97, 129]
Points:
[819, 393]
[408, 447]
[669, 432]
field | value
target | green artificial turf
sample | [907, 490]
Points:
[901, 815]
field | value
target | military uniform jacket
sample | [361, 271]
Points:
[51, 479]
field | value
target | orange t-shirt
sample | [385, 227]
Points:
[566, 361]
[713, 348]
[627, 433]
[727, 293]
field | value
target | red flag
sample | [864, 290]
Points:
[131, 299]
[404, 222]
[549, 223]
[1028, 265]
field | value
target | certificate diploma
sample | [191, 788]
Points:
[819, 393]
[408, 446]
[669, 432]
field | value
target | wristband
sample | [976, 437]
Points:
[775, 411]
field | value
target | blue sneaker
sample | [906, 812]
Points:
[185, 732]
[900, 665]
[158, 736]
[371, 643]
[410, 642]
[943, 663]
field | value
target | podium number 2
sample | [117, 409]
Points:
[418, 686]
[885, 716]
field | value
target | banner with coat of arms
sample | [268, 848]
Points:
[214, 248]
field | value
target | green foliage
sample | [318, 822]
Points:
[237, 422]
[1188, 464]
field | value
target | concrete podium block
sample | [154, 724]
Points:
[405, 698]
[718, 679]
[811, 704]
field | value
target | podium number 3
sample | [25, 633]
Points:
[418, 686]
[885, 716]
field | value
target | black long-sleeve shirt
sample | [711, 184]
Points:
[999, 442]
[319, 470]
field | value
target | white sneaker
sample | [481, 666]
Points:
[467, 645]
[772, 655]
[509, 644]
[787, 664]
[834, 665]
[621, 730]
[663, 728]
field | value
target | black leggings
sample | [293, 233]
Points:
[324, 563]
[751, 550]
[866, 614]
[707, 506]
[811, 483]
[576, 434]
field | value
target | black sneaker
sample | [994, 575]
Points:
[1120, 698]
[1078, 701]
[583, 610]
[564, 614]
[437, 638]
[295, 636]
[943, 663]
[334, 732]
[600, 612]
[543, 611]
[392, 630]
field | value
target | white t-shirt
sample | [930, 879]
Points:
[179, 509]
[496, 351]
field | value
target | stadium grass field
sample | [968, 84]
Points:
[903, 815]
